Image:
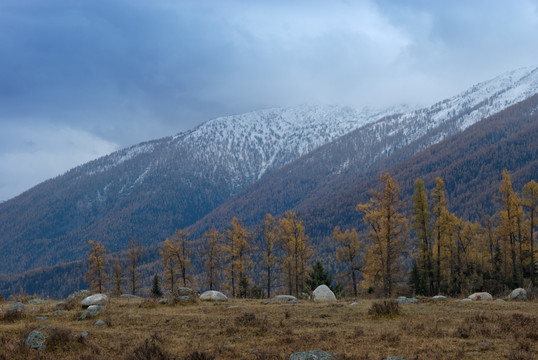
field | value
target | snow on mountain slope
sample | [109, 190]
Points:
[461, 111]
[251, 144]
[244, 147]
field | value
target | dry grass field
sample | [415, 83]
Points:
[249, 329]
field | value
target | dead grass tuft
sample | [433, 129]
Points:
[385, 308]
[151, 348]
[59, 338]
[12, 316]
[390, 336]
[199, 356]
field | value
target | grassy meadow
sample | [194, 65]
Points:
[250, 329]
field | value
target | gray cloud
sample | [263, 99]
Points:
[127, 71]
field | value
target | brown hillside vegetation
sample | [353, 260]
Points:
[248, 329]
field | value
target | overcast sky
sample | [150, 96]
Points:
[80, 79]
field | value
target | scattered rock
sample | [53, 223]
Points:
[213, 295]
[36, 301]
[130, 296]
[354, 303]
[439, 297]
[485, 343]
[82, 334]
[323, 294]
[312, 355]
[97, 299]
[232, 307]
[465, 300]
[36, 340]
[183, 298]
[99, 323]
[164, 301]
[519, 294]
[134, 316]
[61, 305]
[91, 311]
[17, 307]
[184, 291]
[500, 300]
[59, 312]
[42, 318]
[79, 294]
[284, 299]
[405, 300]
[481, 296]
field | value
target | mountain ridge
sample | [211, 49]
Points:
[152, 188]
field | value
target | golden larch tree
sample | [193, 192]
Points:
[349, 252]
[442, 232]
[508, 228]
[237, 251]
[297, 251]
[387, 235]
[529, 200]
[421, 224]
[118, 276]
[270, 238]
[212, 253]
[134, 254]
[96, 275]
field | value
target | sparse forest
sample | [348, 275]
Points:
[420, 248]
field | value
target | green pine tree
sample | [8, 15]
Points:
[319, 276]
[156, 287]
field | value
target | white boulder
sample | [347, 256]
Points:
[481, 296]
[323, 294]
[96, 299]
[519, 294]
[213, 295]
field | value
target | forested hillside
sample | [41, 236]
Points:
[325, 185]
[152, 188]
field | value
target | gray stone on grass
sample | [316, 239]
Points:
[500, 300]
[354, 303]
[96, 299]
[184, 291]
[406, 300]
[481, 296]
[518, 294]
[284, 299]
[130, 296]
[312, 355]
[439, 297]
[36, 301]
[36, 340]
[99, 323]
[17, 307]
[323, 294]
[91, 312]
[213, 295]
[61, 305]
[79, 294]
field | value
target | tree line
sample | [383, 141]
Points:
[422, 245]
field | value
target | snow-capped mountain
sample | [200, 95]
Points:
[150, 189]
[242, 148]
[324, 172]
